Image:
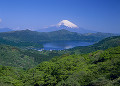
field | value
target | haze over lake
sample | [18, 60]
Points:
[61, 45]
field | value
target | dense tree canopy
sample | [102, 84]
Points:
[21, 67]
[97, 68]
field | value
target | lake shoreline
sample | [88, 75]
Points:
[62, 45]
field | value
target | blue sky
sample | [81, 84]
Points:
[97, 15]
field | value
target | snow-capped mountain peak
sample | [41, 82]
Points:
[67, 24]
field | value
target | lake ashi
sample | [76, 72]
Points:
[61, 45]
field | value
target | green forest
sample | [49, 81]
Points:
[94, 65]
[27, 38]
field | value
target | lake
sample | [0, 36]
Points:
[61, 45]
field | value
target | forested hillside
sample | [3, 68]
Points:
[109, 42]
[16, 57]
[95, 65]
[12, 56]
[33, 36]
[100, 68]
[20, 43]
[32, 39]
[59, 42]
[24, 58]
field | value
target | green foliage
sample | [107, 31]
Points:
[79, 70]
[11, 56]
[99, 68]
[11, 76]
[21, 44]
[24, 58]
[5, 84]
[101, 45]
[26, 36]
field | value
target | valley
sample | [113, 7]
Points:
[33, 39]
[22, 65]
[97, 68]
[59, 42]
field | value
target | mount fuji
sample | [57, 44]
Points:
[67, 25]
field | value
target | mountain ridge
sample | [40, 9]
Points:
[34, 36]
[65, 24]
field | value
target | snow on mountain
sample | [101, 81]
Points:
[67, 24]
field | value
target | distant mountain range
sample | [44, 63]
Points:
[64, 24]
[67, 25]
[60, 35]
[5, 29]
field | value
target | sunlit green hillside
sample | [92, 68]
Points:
[101, 45]
[100, 68]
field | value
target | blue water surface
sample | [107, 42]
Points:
[61, 45]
